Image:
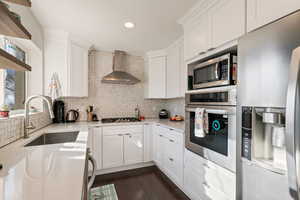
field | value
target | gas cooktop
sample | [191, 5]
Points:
[119, 120]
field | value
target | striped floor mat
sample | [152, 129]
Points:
[106, 192]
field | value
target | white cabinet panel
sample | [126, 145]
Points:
[133, 148]
[97, 146]
[173, 71]
[260, 12]
[112, 151]
[197, 36]
[183, 70]
[159, 145]
[148, 142]
[78, 78]
[156, 77]
[227, 21]
[174, 156]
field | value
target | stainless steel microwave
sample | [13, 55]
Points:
[220, 71]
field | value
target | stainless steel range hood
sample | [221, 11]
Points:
[119, 76]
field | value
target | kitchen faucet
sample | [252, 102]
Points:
[28, 126]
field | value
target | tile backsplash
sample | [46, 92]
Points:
[176, 106]
[115, 100]
[12, 129]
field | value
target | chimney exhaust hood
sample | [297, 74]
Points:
[119, 76]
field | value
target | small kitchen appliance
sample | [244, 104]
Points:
[72, 116]
[163, 114]
[219, 71]
[59, 111]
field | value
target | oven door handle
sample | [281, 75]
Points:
[213, 111]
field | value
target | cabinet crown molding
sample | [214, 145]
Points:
[198, 9]
[158, 53]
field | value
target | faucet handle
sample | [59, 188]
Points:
[31, 126]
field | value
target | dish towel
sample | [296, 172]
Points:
[201, 122]
[55, 87]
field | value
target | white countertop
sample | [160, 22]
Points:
[51, 172]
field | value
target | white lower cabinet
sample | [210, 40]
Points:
[133, 148]
[148, 141]
[168, 152]
[122, 145]
[113, 151]
[204, 180]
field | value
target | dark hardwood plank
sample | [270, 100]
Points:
[142, 184]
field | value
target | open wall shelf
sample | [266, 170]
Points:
[10, 26]
[20, 2]
[8, 61]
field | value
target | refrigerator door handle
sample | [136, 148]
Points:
[293, 128]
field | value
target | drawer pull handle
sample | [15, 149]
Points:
[171, 159]
[171, 140]
[171, 129]
[206, 185]
[120, 135]
[160, 136]
[206, 165]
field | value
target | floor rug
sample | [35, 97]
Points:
[106, 192]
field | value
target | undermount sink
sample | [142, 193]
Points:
[54, 138]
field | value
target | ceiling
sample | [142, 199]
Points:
[101, 22]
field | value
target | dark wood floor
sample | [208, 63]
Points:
[142, 184]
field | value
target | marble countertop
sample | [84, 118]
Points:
[44, 172]
[52, 171]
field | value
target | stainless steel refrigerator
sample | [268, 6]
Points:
[268, 112]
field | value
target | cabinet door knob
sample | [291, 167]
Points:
[160, 136]
[171, 140]
[171, 159]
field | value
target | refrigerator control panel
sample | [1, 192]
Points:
[246, 132]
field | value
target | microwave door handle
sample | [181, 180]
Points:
[217, 71]
[292, 128]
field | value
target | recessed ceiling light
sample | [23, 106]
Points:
[129, 25]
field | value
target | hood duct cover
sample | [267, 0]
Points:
[119, 76]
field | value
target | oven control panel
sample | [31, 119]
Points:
[246, 132]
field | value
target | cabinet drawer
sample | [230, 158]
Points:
[116, 130]
[210, 193]
[213, 175]
[219, 178]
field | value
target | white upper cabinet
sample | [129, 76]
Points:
[197, 36]
[174, 70]
[211, 24]
[262, 12]
[228, 19]
[68, 57]
[78, 79]
[156, 75]
[165, 72]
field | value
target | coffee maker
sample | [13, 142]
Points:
[263, 137]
